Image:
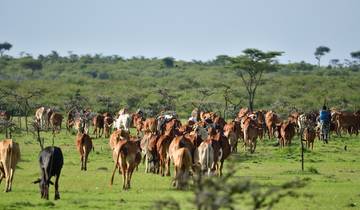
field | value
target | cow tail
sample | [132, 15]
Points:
[115, 167]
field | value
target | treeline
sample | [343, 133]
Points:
[107, 83]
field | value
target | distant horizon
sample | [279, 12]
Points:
[185, 30]
[62, 54]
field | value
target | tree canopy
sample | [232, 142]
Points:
[250, 68]
[4, 46]
[321, 51]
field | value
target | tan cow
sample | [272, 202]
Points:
[229, 132]
[118, 135]
[250, 129]
[127, 156]
[150, 125]
[271, 119]
[9, 157]
[84, 145]
[182, 166]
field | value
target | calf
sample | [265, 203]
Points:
[127, 156]
[182, 166]
[55, 121]
[84, 146]
[9, 157]
[51, 162]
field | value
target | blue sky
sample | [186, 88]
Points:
[186, 29]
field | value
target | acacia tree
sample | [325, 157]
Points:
[355, 55]
[23, 100]
[251, 66]
[3, 47]
[320, 51]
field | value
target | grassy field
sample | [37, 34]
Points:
[334, 175]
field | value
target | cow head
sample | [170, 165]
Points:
[44, 187]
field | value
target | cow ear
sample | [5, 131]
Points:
[51, 182]
[37, 181]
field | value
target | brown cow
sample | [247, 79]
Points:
[179, 142]
[108, 121]
[84, 146]
[162, 145]
[250, 129]
[286, 131]
[229, 132]
[150, 125]
[118, 135]
[127, 156]
[9, 157]
[309, 137]
[271, 119]
[346, 121]
[243, 112]
[98, 122]
[225, 150]
[55, 121]
[137, 122]
[182, 165]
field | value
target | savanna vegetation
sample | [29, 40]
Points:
[332, 174]
[108, 83]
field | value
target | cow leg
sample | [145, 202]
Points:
[167, 166]
[57, 194]
[130, 172]
[12, 171]
[2, 172]
[82, 161]
[7, 178]
[176, 177]
[221, 167]
[86, 158]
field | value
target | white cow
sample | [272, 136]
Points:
[205, 155]
[123, 121]
[40, 116]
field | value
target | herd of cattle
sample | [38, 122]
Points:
[201, 145]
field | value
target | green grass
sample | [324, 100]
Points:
[334, 175]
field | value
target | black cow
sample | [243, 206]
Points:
[51, 161]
